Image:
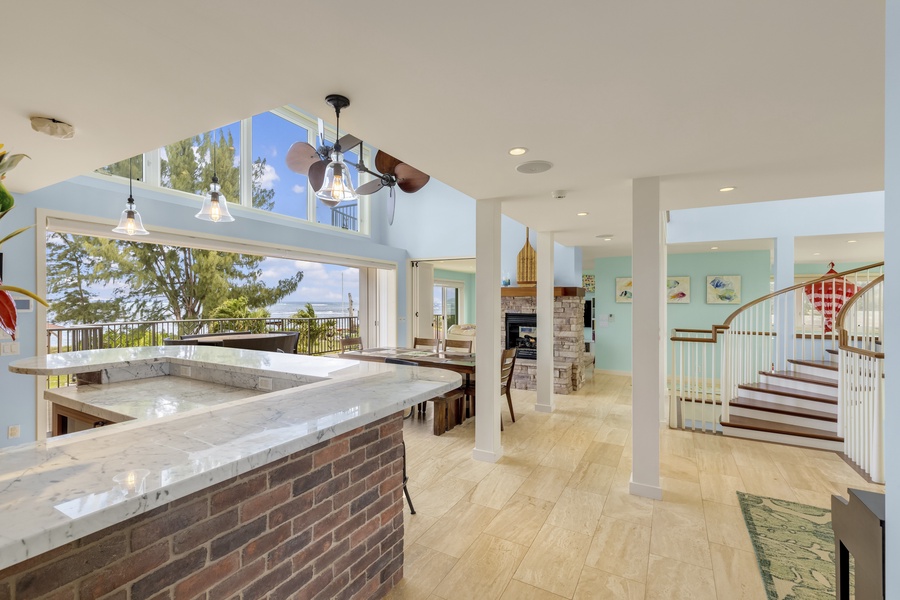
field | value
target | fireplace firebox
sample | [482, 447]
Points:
[521, 333]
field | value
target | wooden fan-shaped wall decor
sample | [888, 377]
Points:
[526, 264]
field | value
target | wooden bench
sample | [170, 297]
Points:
[445, 410]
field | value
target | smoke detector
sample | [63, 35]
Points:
[53, 127]
[558, 194]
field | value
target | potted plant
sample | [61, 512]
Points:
[8, 315]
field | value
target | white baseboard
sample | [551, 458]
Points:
[487, 456]
[653, 492]
[544, 408]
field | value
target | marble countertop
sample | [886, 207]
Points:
[65, 488]
[150, 398]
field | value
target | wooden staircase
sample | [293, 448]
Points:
[797, 407]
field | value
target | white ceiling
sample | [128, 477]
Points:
[780, 99]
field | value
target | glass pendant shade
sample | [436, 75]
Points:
[130, 221]
[337, 186]
[215, 207]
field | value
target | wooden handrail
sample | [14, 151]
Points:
[822, 279]
[843, 336]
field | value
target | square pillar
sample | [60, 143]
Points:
[487, 333]
[544, 301]
[648, 275]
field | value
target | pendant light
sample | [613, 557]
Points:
[215, 207]
[337, 186]
[130, 221]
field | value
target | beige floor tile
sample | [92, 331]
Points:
[803, 476]
[679, 536]
[472, 470]
[720, 488]
[669, 579]
[621, 548]
[483, 571]
[717, 462]
[438, 498]
[515, 464]
[820, 499]
[604, 453]
[736, 573]
[456, 530]
[545, 483]
[592, 477]
[611, 435]
[596, 585]
[520, 519]
[554, 561]
[516, 590]
[577, 511]
[496, 489]
[725, 525]
[624, 506]
[766, 481]
[423, 570]
[415, 525]
[679, 467]
[565, 456]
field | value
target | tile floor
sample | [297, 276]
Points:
[553, 517]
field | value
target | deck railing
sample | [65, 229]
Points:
[861, 379]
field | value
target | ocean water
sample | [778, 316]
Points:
[323, 309]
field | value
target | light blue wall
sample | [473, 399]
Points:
[613, 343]
[566, 259]
[468, 279]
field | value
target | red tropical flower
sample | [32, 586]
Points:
[8, 314]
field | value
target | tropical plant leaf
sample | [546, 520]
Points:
[6, 200]
[18, 290]
[9, 161]
[15, 233]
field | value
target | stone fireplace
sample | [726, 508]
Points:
[518, 307]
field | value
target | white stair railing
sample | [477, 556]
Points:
[694, 401]
[861, 379]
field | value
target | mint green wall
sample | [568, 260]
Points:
[468, 280]
[613, 344]
[822, 268]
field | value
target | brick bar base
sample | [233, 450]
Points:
[325, 522]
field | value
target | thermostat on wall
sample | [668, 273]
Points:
[24, 304]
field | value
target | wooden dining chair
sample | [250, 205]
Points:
[351, 343]
[421, 343]
[507, 367]
[289, 341]
[179, 342]
[458, 346]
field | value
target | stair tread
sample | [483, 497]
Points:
[831, 351]
[784, 391]
[699, 400]
[782, 409]
[821, 364]
[795, 376]
[781, 428]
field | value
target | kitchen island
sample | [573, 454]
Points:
[291, 491]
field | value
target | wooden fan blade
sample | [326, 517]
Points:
[317, 175]
[385, 163]
[410, 179]
[370, 187]
[301, 157]
[349, 142]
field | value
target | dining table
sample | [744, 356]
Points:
[462, 363]
[218, 340]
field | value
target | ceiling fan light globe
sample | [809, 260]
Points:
[337, 186]
[215, 207]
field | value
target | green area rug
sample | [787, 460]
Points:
[794, 546]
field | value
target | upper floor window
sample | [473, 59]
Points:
[121, 168]
[286, 192]
[187, 165]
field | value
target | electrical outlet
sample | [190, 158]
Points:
[185, 371]
[265, 383]
[13, 432]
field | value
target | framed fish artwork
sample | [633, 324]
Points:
[723, 289]
[678, 290]
[623, 290]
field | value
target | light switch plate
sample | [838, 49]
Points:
[265, 383]
[9, 348]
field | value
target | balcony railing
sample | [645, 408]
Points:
[346, 217]
[321, 335]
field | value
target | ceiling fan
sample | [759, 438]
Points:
[313, 162]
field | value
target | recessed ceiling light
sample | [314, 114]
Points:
[714, 248]
[727, 189]
[851, 241]
[582, 214]
[816, 253]
[607, 239]
[518, 151]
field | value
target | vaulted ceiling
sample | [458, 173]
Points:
[778, 99]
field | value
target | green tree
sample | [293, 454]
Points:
[121, 168]
[312, 329]
[69, 283]
[156, 282]
[238, 308]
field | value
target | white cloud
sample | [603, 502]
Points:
[298, 189]
[268, 178]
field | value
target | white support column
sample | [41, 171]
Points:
[544, 301]
[784, 262]
[647, 367]
[784, 278]
[487, 334]
[891, 294]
